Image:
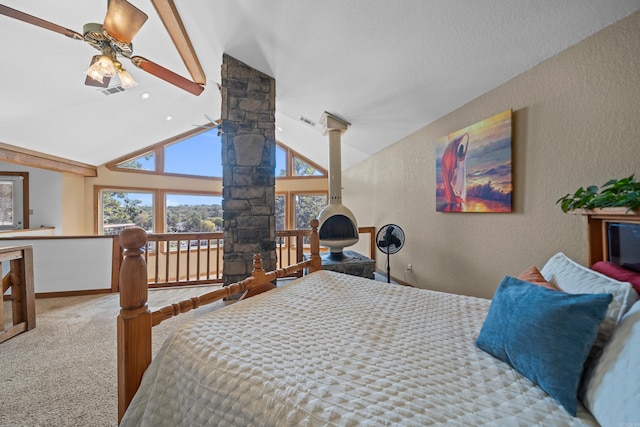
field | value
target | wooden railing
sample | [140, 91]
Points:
[20, 280]
[182, 259]
[175, 259]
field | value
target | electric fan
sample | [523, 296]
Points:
[390, 239]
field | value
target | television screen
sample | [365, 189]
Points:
[624, 245]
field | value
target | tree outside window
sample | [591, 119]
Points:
[14, 206]
[307, 207]
[302, 168]
[281, 213]
[189, 213]
[122, 209]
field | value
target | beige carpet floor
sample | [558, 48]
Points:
[63, 372]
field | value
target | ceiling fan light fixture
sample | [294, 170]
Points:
[101, 66]
[94, 70]
[106, 66]
[126, 80]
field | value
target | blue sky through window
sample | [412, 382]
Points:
[145, 198]
[281, 161]
[177, 199]
[186, 199]
[197, 155]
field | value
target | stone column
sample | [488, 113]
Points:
[248, 169]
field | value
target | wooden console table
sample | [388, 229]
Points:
[20, 280]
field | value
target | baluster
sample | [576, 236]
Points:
[316, 261]
[134, 321]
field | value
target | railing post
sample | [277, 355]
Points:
[22, 275]
[20, 280]
[316, 261]
[134, 321]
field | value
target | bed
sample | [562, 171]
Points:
[334, 349]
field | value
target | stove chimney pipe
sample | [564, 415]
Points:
[338, 227]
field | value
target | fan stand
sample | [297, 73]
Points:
[386, 240]
[389, 239]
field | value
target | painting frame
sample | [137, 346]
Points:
[474, 171]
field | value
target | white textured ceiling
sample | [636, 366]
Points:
[388, 67]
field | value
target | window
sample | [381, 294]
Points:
[281, 161]
[195, 153]
[307, 207]
[145, 162]
[292, 164]
[176, 212]
[198, 155]
[123, 209]
[187, 213]
[281, 212]
[14, 200]
[303, 168]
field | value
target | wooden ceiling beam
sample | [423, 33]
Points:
[21, 156]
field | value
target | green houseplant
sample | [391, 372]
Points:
[623, 192]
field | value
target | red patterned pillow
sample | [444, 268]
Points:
[619, 273]
[533, 275]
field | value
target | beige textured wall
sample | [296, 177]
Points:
[73, 202]
[576, 122]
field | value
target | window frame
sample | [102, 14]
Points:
[290, 156]
[166, 192]
[158, 151]
[293, 195]
[159, 203]
[24, 189]
[99, 207]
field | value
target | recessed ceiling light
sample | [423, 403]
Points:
[145, 95]
[169, 118]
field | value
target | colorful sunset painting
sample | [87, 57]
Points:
[473, 167]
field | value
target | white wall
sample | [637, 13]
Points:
[45, 195]
[576, 122]
[68, 264]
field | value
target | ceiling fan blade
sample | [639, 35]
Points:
[167, 75]
[173, 23]
[123, 20]
[29, 19]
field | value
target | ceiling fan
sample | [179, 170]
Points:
[214, 124]
[113, 39]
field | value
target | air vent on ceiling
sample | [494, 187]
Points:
[113, 90]
[308, 122]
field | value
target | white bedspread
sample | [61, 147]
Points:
[332, 349]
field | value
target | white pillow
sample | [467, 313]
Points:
[612, 385]
[574, 278]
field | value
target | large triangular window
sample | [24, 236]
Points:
[145, 162]
[198, 153]
[292, 164]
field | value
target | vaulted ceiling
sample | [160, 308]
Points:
[389, 67]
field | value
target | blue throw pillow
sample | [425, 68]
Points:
[544, 334]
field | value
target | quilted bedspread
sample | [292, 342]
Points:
[338, 350]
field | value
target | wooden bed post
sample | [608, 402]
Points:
[316, 261]
[134, 321]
